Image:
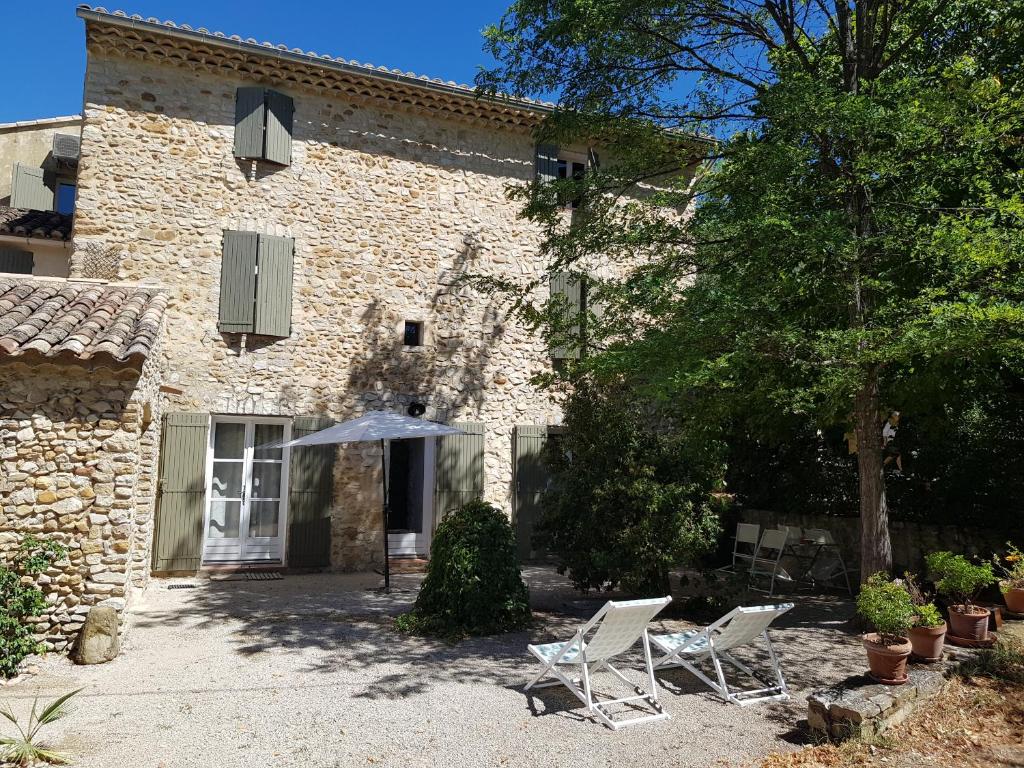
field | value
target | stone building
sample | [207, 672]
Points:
[267, 241]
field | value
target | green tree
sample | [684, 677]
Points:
[856, 233]
[630, 497]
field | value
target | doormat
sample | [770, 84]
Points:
[263, 576]
[182, 586]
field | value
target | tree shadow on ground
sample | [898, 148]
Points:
[336, 627]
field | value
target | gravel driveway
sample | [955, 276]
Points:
[306, 671]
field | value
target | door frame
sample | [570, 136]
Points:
[282, 529]
[420, 542]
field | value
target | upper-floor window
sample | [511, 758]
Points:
[413, 336]
[256, 284]
[555, 164]
[64, 201]
[263, 125]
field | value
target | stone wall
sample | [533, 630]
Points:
[388, 210]
[910, 541]
[76, 461]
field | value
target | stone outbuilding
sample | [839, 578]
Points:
[79, 424]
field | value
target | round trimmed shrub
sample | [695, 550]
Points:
[473, 585]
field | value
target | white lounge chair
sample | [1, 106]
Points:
[741, 626]
[616, 628]
[746, 537]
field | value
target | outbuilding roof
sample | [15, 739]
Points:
[44, 225]
[71, 321]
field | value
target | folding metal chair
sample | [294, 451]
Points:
[741, 626]
[616, 628]
[828, 564]
[747, 537]
[767, 561]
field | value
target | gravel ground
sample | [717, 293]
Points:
[306, 671]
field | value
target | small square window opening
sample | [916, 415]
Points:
[413, 334]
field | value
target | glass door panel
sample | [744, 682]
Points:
[246, 490]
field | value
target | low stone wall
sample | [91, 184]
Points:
[77, 456]
[910, 541]
[864, 709]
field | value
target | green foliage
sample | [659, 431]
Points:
[710, 594]
[21, 599]
[473, 585]
[1010, 567]
[26, 748]
[631, 498]
[1005, 661]
[856, 242]
[928, 615]
[957, 578]
[887, 607]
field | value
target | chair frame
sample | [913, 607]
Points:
[582, 687]
[737, 540]
[673, 658]
[776, 570]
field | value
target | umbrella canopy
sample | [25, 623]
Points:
[378, 425]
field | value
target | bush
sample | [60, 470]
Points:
[887, 606]
[1004, 661]
[21, 599]
[928, 615]
[957, 578]
[631, 493]
[473, 585]
[1011, 574]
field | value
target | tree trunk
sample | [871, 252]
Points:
[875, 547]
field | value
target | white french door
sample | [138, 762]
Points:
[247, 495]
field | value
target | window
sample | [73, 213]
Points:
[413, 336]
[256, 284]
[263, 125]
[65, 199]
[555, 164]
[15, 261]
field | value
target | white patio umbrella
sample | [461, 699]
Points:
[382, 426]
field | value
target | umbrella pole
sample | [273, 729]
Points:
[387, 551]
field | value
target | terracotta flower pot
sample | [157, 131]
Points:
[927, 641]
[1014, 600]
[969, 626]
[887, 663]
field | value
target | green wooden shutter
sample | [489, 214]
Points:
[13, 260]
[181, 504]
[530, 476]
[310, 492]
[569, 286]
[547, 162]
[278, 136]
[250, 119]
[274, 286]
[459, 476]
[238, 282]
[32, 188]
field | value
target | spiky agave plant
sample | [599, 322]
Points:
[26, 748]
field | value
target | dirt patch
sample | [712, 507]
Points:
[972, 724]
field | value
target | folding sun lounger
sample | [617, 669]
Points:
[616, 628]
[741, 626]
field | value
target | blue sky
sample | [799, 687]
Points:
[43, 41]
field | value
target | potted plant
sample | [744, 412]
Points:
[887, 607]
[1012, 582]
[928, 632]
[960, 581]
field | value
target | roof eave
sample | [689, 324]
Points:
[88, 14]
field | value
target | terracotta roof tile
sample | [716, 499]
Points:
[47, 225]
[78, 321]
